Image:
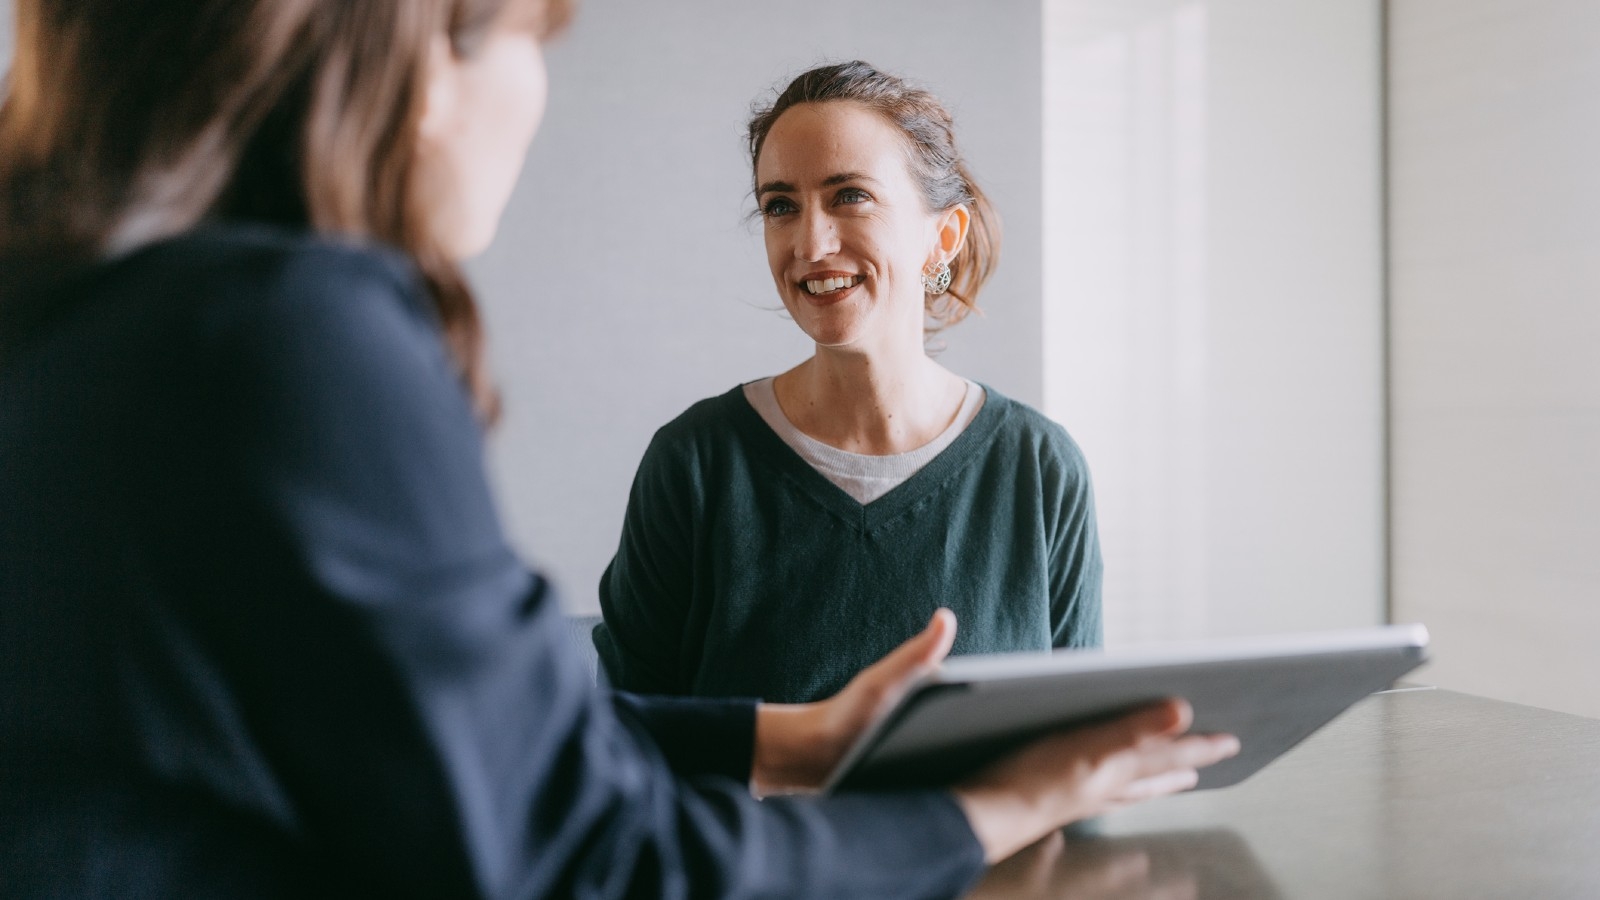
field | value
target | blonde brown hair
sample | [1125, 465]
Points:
[935, 163]
[127, 121]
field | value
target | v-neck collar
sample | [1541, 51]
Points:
[867, 517]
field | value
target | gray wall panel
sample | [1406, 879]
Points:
[1496, 321]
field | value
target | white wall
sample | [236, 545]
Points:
[626, 283]
[1214, 307]
[1495, 151]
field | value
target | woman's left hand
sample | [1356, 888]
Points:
[798, 744]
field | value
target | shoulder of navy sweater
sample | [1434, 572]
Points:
[254, 271]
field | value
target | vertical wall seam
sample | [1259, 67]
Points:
[1386, 306]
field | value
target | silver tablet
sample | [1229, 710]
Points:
[1272, 692]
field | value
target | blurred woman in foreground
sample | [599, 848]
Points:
[260, 631]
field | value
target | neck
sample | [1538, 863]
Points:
[873, 403]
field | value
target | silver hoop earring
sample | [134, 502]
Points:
[937, 281]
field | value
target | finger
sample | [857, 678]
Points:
[1225, 744]
[1172, 716]
[1169, 782]
[1185, 753]
[1183, 715]
[941, 636]
[1168, 717]
[1196, 751]
[1160, 720]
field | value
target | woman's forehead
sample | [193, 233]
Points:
[814, 141]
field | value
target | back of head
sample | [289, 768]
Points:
[935, 163]
[127, 121]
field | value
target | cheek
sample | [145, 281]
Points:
[492, 146]
[879, 251]
[508, 120]
[907, 249]
[530, 89]
[777, 254]
[441, 179]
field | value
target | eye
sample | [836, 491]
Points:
[852, 195]
[777, 206]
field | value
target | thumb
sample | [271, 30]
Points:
[922, 652]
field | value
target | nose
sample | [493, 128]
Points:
[818, 237]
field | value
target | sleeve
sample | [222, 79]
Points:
[421, 717]
[646, 591]
[696, 735]
[1074, 548]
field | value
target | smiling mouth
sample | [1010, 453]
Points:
[819, 287]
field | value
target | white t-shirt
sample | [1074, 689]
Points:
[864, 477]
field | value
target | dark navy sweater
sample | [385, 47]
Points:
[261, 634]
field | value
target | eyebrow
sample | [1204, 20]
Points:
[784, 187]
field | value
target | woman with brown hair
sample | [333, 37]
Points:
[261, 634]
[792, 530]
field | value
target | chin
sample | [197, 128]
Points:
[463, 246]
[834, 340]
[828, 335]
[467, 229]
[828, 330]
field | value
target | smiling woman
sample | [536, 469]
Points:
[781, 534]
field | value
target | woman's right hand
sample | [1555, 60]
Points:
[1086, 772]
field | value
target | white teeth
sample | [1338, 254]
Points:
[827, 285]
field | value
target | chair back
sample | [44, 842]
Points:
[582, 628]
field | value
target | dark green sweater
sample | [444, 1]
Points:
[742, 571]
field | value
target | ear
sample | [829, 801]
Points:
[951, 225]
[439, 91]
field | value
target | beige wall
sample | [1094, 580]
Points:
[1214, 307]
[1495, 186]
